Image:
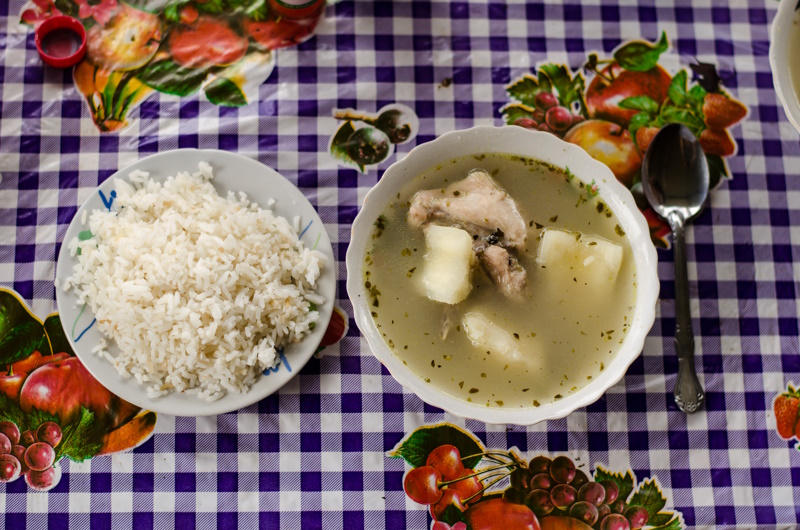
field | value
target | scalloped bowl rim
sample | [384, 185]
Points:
[547, 148]
[779, 35]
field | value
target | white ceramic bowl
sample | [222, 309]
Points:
[232, 172]
[540, 146]
[779, 57]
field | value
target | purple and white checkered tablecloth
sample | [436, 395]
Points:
[313, 455]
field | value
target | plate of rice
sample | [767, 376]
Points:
[195, 282]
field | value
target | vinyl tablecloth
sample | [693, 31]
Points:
[316, 453]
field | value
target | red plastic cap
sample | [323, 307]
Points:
[56, 23]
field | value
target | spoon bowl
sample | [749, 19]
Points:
[675, 175]
[675, 179]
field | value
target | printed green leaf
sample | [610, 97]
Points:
[649, 497]
[416, 447]
[339, 145]
[638, 121]
[640, 56]
[624, 482]
[515, 111]
[172, 14]
[212, 6]
[257, 10]
[22, 340]
[82, 439]
[168, 77]
[570, 89]
[674, 524]
[11, 411]
[697, 94]
[13, 311]
[660, 518]
[718, 170]
[677, 89]
[526, 87]
[56, 335]
[36, 417]
[224, 92]
[670, 114]
[643, 103]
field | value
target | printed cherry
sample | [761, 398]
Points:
[563, 496]
[602, 511]
[637, 516]
[615, 521]
[5, 444]
[447, 460]
[585, 512]
[562, 470]
[10, 468]
[468, 487]
[592, 492]
[612, 491]
[49, 433]
[39, 456]
[449, 508]
[539, 501]
[539, 464]
[421, 485]
[11, 430]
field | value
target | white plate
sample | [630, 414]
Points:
[232, 172]
[779, 53]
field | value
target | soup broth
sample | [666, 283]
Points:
[555, 335]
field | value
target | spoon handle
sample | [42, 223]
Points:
[689, 394]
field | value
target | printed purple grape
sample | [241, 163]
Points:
[562, 470]
[584, 511]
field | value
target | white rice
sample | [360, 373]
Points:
[197, 291]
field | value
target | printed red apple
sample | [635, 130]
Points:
[275, 34]
[495, 514]
[36, 359]
[603, 97]
[62, 388]
[129, 40]
[610, 144]
[206, 42]
[10, 385]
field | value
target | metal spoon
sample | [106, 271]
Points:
[675, 179]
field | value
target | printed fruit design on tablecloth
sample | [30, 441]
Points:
[630, 97]
[50, 405]
[467, 487]
[222, 48]
[787, 414]
[367, 140]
